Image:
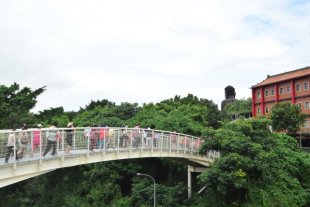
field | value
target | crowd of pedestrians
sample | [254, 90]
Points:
[41, 140]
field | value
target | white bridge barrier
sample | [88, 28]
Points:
[76, 146]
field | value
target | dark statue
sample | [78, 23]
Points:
[230, 95]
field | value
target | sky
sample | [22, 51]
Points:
[143, 51]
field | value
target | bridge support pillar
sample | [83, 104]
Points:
[191, 169]
[189, 182]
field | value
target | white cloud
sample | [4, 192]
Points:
[147, 51]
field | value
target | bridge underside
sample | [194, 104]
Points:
[13, 173]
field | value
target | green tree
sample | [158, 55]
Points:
[287, 117]
[256, 167]
[15, 105]
[238, 108]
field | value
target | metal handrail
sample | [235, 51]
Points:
[85, 142]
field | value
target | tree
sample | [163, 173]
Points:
[287, 117]
[256, 167]
[238, 108]
[15, 105]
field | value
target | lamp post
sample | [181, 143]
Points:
[141, 174]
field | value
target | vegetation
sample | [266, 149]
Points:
[287, 117]
[15, 104]
[238, 108]
[256, 167]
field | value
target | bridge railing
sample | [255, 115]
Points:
[69, 141]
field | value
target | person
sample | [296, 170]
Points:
[93, 138]
[173, 138]
[36, 139]
[10, 146]
[87, 133]
[51, 136]
[23, 141]
[148, 137]
[156, 140]
[111, 137]
[136, 136]
[69, 136]
[124, 137]
[102, 138]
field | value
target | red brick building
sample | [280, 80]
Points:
[292, 86]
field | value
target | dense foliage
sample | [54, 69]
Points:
[256, 167]
[15, 105]
[238, 108]
[287, 117]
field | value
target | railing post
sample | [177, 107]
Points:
[15, 150]
[104, 140]
[152, 141]
[170, 142]
[63, 141]
[40, 150]
[192, 145]
[130, 147]
[142, 140]
[74, 137]
[178, 143]
[161, 141]
[118, 136]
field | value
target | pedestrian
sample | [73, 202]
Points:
[93, 138]
[173, 137]
[10, 145]
[23, 141]
[124, 137]
[36, 139]
[102, 138]
[136, 136]
[69, 136]
[51, 136]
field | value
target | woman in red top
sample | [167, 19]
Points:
[36, 140]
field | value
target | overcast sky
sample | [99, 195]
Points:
[146, 51]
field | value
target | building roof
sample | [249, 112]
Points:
[284, 77]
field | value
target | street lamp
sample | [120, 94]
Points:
[141, 174]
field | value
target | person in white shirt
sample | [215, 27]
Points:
[10, 145]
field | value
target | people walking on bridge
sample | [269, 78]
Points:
[51, 136]
[92, 138]
[124, 139]
[173, 137]
[69, 137]
[23, 141]
[156, 140]
[111, 137]
[148, 134]
[86, 133]
[10, 146]
[136, 133]
[36, 139]
[102, 141]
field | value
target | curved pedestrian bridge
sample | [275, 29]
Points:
[90, 145]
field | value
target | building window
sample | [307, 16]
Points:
[299, 105]
[307, 105]
[272, 92]
[306, 86]
[258, 111]
[267, 110]
[258, 94]
[266, 93]
[298, 88]
[281, 90]
[288, 89]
